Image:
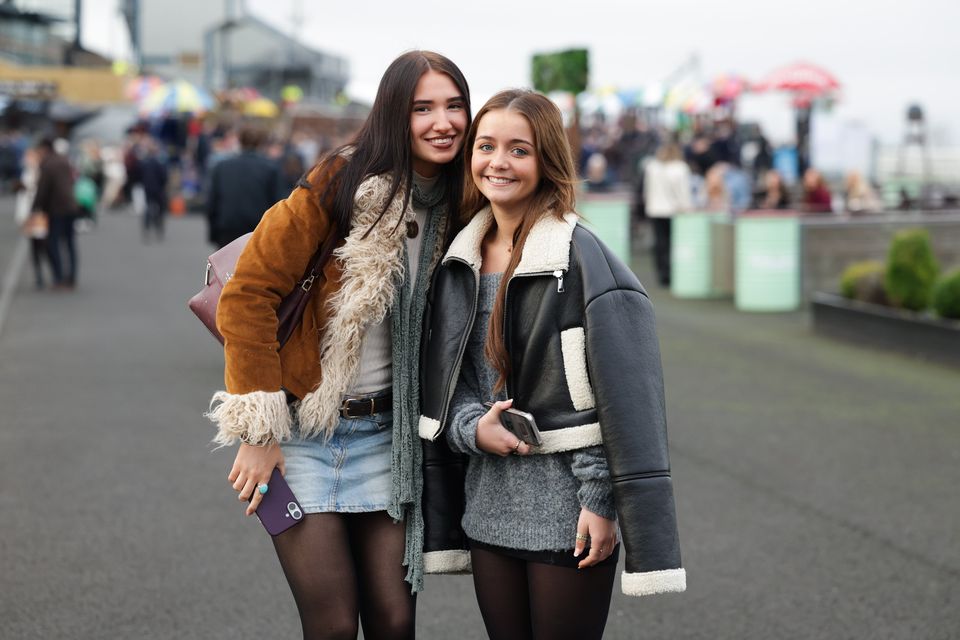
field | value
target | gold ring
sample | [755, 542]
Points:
[516, 447]
[583, 537]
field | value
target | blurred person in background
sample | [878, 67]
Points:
[154, 177]
[10, 162]
[90, 163]
[737, 183]
[816, 195]
[291, 166]
[55, 199]
[88, 185]
[775, 194]
[700, 155]
[666, 185]
[336, 408]
[242, 187]
[860, 196]
[133, 186]
[716, 197]
[34, 226]
[114, 176]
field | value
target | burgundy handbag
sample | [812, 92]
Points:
[220, 268]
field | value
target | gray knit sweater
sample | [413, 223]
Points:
[519, 502]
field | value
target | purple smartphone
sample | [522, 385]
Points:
[279, 509]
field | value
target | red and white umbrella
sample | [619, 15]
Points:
[803, 78]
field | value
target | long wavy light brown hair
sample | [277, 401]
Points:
[555, 195]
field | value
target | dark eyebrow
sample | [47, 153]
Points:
[449, 100]
[514, 141]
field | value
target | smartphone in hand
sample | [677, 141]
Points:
[279, 509]
[520, 424]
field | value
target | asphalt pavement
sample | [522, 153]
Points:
[816, 482]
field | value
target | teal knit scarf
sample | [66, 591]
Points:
[407, 328]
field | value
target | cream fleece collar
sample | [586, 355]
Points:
[547, 247]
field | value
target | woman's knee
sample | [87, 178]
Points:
[397, 623]
[329, 627]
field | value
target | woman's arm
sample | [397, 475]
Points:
[254, 408]
[466, 409]
[596, 491]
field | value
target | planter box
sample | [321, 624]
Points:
[888, 328]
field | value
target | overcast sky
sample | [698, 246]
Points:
[886, 53]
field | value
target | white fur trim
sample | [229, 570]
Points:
[569, 439]
[371, 269]
[466, 246]
[573, 345]
[651, 582]
[428, 428]
[258, 417]
[547, 247]
[451, 561]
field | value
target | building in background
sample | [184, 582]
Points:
[219, 44]
[48, 81]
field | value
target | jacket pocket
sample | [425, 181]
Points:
[573, 345]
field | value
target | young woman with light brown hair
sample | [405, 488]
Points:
[531, 311]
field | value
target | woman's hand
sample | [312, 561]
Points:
[602, 534]
[493, 438]
[253, 466]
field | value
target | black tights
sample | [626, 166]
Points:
[522, 600]
[344, 566]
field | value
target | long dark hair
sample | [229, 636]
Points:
[383, 145]
[555, 195]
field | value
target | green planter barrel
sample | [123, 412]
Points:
[608, 216]
[767, 262]
[700, 255]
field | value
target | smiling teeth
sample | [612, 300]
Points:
[441, 140]
[499, 180]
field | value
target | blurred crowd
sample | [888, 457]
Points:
[716, 165]
[231, 173]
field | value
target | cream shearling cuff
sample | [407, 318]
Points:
[428, 428]
[450, 561]
[256, 418]
[651, 582]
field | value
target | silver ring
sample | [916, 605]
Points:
[516, 447]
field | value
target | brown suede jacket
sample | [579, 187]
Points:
[357, 289]
[271, 264]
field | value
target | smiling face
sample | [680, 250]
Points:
[438, 121]
[504, 162]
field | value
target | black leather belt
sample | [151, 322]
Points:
[360, 407]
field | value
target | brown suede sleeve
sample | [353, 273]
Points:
[271, 264]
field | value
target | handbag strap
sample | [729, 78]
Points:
[319, 261]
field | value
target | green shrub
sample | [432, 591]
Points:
[911, 269]
[946, 295]
[864, 281]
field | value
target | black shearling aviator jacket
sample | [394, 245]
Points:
[585, 361]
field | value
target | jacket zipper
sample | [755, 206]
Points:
[463, 343]
[558, 274]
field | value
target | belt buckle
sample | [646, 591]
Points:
[345, 407]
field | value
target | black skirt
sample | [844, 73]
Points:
[557, 558]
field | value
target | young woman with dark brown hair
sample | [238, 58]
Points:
[531, 311]
[336, 408]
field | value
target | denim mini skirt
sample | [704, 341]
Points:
[349, 473]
